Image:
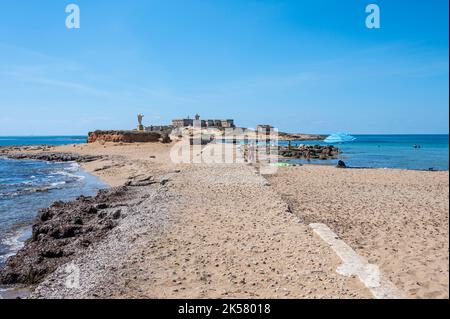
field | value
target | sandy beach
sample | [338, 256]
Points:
[397, 219]
[224, 231]
[187, 152]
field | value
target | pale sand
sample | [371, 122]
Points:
[231, 236]
[124, 160]
[226, 233]
[396, 219]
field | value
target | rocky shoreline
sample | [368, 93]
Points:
[224, 231]
[63, 231]
[309, 152]
[67, 231]
[300, 137]
[42, 154]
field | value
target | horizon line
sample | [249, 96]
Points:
[82, 135]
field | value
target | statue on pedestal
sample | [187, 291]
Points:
[140, 126]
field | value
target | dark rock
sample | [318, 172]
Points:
[109, 224]
[164, 181]
[309, 151]
[90, 210]
[45, 214]
[78, 221]
[141, 181]
[52, 253]
[101, 206]
[117, 214]
[102, 215]
[85, 242]
[70, 231]
[166, 139]
[341, 164]
[53, 156]
[57, 204]
[62, 232]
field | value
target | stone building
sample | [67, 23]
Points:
[182, 122]
[203, 123]
[264, 129]
[158, 128]
[228, 123]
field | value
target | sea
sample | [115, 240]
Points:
[388, 151]
[28, 185]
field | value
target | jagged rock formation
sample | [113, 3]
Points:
[52, 156]
[124, 136]
[309, 152]
[65, 230]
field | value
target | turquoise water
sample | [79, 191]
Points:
[390, 151]
[41, 140]
[27, 185]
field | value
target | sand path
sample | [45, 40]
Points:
[211, 231]
[232, 236]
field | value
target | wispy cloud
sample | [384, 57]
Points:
[44, 70]
[42, 80]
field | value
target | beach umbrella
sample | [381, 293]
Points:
[339, 138]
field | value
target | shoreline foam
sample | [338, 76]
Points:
[15, 239]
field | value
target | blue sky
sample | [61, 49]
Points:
[303, 66]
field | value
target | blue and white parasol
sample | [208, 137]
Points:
[339, 138]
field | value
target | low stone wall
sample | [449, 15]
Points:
[124, 136]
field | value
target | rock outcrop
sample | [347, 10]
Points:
[341, 164]
[52, 156]
[309, 152]
[124, 136]
[63, 231]
[300, 137]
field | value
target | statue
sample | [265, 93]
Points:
[140, 126]
[140, 117]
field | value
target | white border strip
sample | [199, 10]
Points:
[353, 264]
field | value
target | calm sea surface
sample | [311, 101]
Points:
[391, 151]
[41, 140]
